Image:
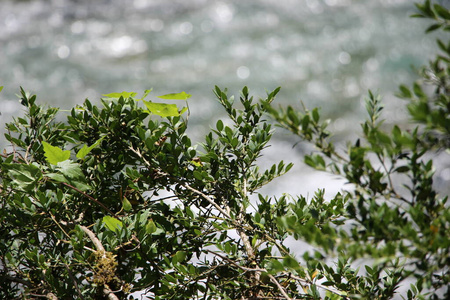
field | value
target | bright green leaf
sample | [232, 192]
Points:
[183, 110]
[112, 223]
[85, 150]
[162, 109]
[54, 154]
[125, 95]
[126, 204]
[179, 256]
[150, 227]
[176, 96]
[146, 92]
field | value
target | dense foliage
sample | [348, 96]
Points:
[116, 199]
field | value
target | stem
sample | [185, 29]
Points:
[89, 197]
[211, 201]
[255, 270]
[304, 281]
[98, 245]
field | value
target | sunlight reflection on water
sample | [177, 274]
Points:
[324, 52]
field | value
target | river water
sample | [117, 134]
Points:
[325, 53]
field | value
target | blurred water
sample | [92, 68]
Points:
[326, 53]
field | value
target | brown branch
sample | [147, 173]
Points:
[255, 270]
[109, 294]
[51, 296]
[89, 197]
[74, 282]
[304, 281]
[211, 201]
[98, 245]
[19, 280]
[279, 286]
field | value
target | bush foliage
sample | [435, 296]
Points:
[117, 199]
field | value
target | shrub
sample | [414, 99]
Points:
[116, 199]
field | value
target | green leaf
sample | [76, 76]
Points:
[58, 177]
[402, 169]
[442, 12]
[126, 204]
[275, 266]
[170, 278]
[146, 92]
[1, 88]
[183, 110]
[405, 92]
[112, 223]
[433, 27]
[162, 109]
[291, 263]
[125, 95]
[85, 150]
[179, 256]
[150, 227]
[316, 115]
[25, 176]
[54, 154]
[71, 173]
[176, 96]
[70, 169]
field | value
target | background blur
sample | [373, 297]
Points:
[326, 53]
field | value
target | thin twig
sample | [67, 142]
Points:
[246, 269]
[304, 281]
[89, 197]
[19, 280]
[60, 227]
[256, 270]
[211, 201]
[74, 282]
[279, 286]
